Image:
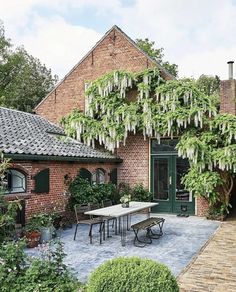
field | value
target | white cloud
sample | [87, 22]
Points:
[59, 44]
[197, 35]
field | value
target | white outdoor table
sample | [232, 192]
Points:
[122, 213]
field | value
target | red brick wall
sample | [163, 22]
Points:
[36, 203]
[112, 53]
[228, 96]
[201, 206]
[135, 166]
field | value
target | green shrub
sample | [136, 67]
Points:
[7, 209]
[140, 193]
[132, 275]
[82, 191]
[12, 265]
[47, 273]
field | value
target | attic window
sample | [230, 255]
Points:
[16, 181]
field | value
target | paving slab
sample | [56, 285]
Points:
[182, 240]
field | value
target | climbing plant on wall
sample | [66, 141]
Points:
[162, 109]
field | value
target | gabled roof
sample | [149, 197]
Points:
[31, 137]
[115, 27]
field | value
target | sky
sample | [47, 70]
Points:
[197, 35]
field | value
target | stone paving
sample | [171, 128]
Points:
[214, 268]
[182, 240]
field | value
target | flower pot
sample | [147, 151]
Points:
[33, 238]
[125, 205]
[46, 234]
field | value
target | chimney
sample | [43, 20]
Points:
[231, 72]
[228, 93]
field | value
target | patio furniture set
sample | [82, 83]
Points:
[121, 220]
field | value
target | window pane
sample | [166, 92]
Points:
[94, 177]
[161, 179]
[166, 145]
[182, 166]
[100, 176]
[17, 181]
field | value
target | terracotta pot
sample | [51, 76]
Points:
[33, 238]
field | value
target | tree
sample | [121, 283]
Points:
[157, 54]
[24, 81]
[171, 108]
[210, 85]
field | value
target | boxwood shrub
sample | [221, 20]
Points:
[132, 274]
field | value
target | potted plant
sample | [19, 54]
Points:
[32, 233]
[125, 201]
[45, 222]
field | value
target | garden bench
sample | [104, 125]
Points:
[147, 225]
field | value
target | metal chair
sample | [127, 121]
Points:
[108, 203]
[79, 211]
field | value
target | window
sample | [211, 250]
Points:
[42, 180]
[98, 176]
[16, 181]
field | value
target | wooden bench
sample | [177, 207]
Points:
[147, 225]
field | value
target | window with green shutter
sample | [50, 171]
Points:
[42, 181]
[113, 176]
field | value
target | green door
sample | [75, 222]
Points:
[167, 189]
[162, 185]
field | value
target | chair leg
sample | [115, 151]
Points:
[108, 221]
[75, 231]
[116, 227]
[90, 233]
[102, 231]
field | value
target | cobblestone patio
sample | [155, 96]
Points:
[182, 240]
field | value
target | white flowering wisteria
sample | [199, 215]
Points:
[122, 103]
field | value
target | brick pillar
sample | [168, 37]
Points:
[228, 96]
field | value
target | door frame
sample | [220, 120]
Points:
[176, 206]
[166, 205]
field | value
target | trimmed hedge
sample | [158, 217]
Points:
[132, 274]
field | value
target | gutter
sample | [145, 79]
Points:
[61, 158]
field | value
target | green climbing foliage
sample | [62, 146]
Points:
[160, 109]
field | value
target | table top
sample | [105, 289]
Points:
[118, 210]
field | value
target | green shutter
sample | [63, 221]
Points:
[42, 181]
[85, 174]
[113, 176]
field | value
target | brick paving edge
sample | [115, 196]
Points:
[199, 252]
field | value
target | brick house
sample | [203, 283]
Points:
[157, 167]
[42, 159]
[141, 161]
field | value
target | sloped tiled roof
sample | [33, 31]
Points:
[28, 134]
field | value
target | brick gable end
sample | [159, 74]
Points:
[114, 51]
